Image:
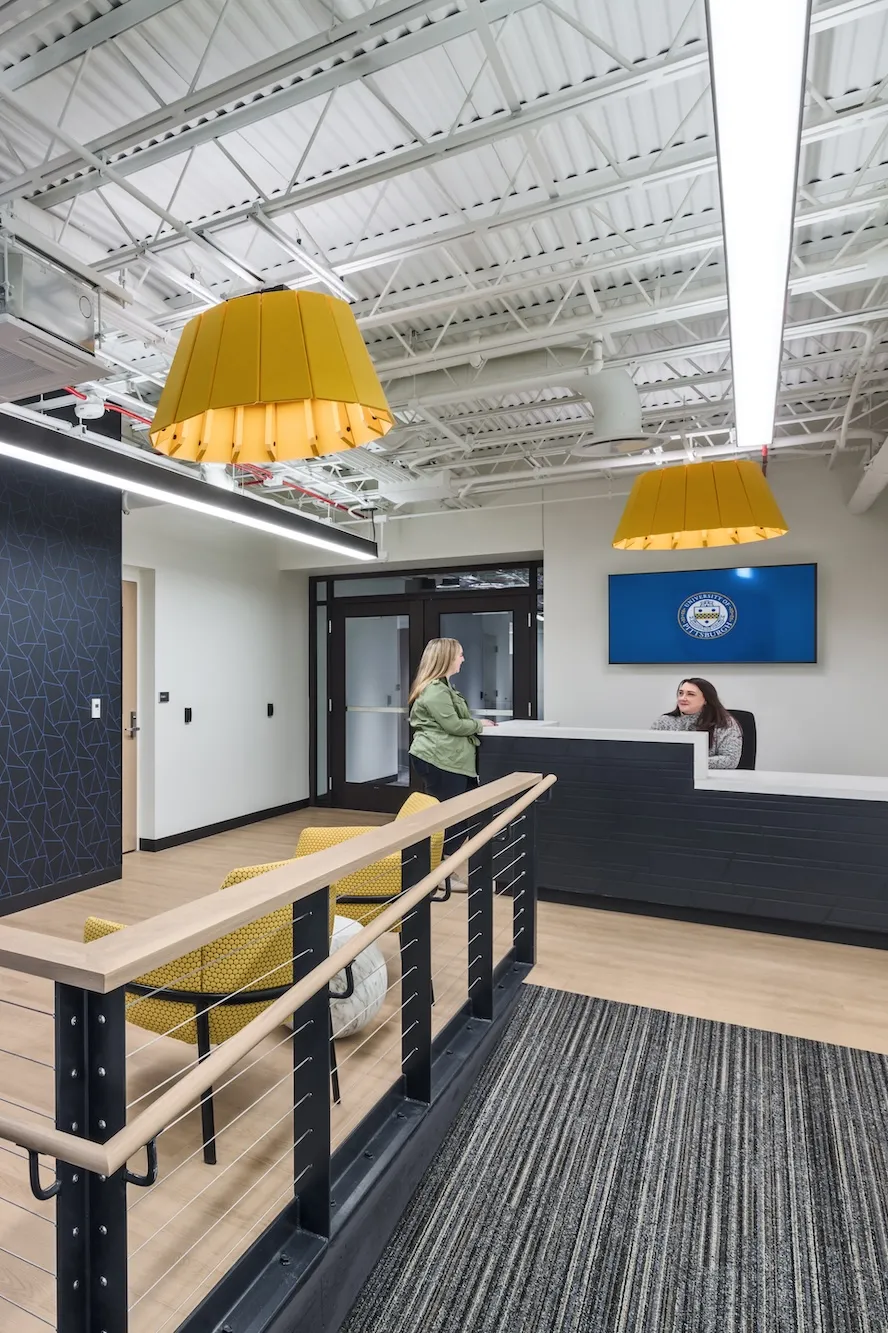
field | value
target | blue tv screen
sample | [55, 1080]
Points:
[761, 613]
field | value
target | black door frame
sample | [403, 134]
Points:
[427, 607]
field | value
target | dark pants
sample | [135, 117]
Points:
[443, 785]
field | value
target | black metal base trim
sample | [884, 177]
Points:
[763, 925]
[224, 826]
[17, 902]
[292, 1282]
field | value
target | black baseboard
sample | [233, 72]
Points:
[762, 925]
[292, 1282]
[17, 902]
[224, 826]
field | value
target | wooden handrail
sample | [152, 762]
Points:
[106, 1159]
[107, 963]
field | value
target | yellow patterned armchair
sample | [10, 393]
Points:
[363, 895]
[209, 994]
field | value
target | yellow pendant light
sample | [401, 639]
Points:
[704, 504]
[267, 377]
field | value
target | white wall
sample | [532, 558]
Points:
[228, 635]
[823, 718]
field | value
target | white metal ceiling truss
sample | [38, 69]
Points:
[501, 187]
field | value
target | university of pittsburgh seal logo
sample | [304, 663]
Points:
[707, 615]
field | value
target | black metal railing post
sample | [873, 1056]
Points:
[416, 979]
[524, 902]
[311, 1068]
[480, 927]
[91, 1244]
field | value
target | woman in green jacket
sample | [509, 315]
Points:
[445, 735]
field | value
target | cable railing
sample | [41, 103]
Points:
[221, 1075]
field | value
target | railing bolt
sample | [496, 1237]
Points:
[369, 1156]
[75, 1231]
[101, 1018]
[103, 1282]
[75, 1178]
[73, 1126]
[100, 1071]
[285, 1260]
[101, 1124]
[103, 1177]
[74, 1022]
[73, 1073]
[103, 1231]
[76, 1284]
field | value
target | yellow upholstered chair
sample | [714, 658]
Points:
[363, 895]
[209, 994]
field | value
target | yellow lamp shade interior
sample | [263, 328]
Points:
[705, 504]
[270, 376]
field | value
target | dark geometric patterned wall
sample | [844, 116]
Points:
[60, 568]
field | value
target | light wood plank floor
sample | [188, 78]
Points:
[187, 1230]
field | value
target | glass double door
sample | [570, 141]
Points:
[374, 653]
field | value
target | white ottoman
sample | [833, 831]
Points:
[371, 982]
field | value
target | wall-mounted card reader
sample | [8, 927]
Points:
[187, 714]
[95, 708]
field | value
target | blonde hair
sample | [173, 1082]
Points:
[436, 662]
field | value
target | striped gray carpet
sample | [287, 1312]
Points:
[622, 1169]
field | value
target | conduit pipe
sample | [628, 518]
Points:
[641, 462]
[855, 386]
[872, 483]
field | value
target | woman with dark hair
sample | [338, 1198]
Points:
[698, 708]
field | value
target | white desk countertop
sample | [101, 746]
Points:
[835, 786]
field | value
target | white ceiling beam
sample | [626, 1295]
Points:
[674, 165]
[565, 367]
[74, 44]
[232, 104]
[634, 318]
[863, 269]
[47, 12]
[167, 126]
[828, 16]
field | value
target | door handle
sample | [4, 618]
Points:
[132, 726]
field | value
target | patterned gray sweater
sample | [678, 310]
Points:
[726, 744]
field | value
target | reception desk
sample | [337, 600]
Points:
[637, 821]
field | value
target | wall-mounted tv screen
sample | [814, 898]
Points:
[759, 613]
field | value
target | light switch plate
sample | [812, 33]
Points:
[95, 708]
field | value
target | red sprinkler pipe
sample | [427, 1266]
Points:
[109, 407]
[260, 474]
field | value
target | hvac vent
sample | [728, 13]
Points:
[33, 361]
[47, 327]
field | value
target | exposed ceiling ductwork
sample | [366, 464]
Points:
[872, 483]
[517, 373]
[617, 413]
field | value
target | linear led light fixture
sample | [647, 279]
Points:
[757, 54]
[58, 451]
